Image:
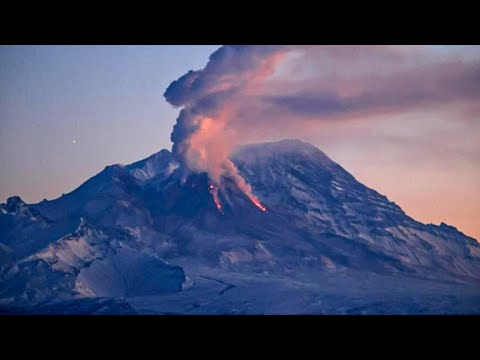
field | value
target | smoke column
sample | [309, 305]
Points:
[211, 98]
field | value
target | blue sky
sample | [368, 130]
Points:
[68, 111]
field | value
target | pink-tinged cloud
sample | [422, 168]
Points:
[202, 137]
[344, 97]
[283, 90]
[405, 90]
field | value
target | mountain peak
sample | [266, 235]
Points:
[161, 155]
[15, 201]
[251, 152]
[284, 145]
[13, 205]
[161, 162]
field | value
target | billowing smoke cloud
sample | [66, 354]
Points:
[251, 93]
[211, 98]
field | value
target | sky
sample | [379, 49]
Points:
[403, 120]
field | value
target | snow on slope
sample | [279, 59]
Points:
[324, 196]
[146, 231]
[90, 263]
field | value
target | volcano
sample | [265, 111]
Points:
[145, 238]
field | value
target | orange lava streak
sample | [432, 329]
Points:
[258, 204]
[217, 202]
[214, 191]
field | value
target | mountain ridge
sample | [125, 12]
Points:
[144, 217]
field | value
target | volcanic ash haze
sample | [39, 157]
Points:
[211, 99]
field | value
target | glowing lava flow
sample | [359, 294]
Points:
[214, 191]
[257, 203]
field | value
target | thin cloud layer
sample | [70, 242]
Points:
[426, 85]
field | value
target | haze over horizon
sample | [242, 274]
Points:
[68, 111]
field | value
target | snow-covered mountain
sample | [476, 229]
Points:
[144, 236]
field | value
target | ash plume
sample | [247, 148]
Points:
[257, 93]
[211, 98]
